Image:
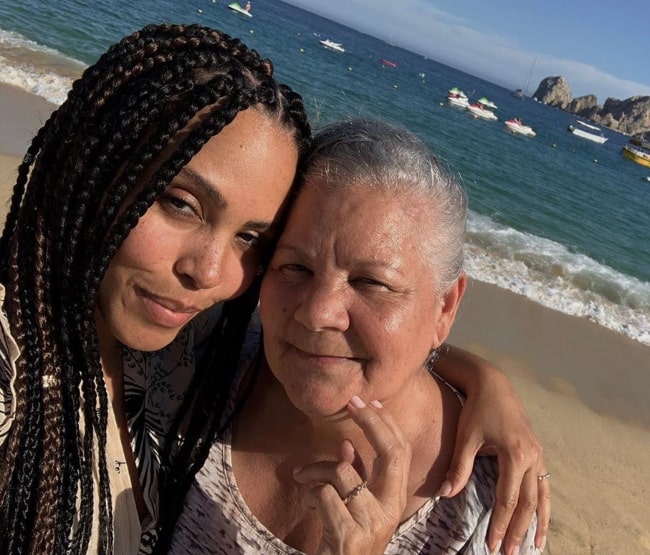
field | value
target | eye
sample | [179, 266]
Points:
[251, 239]
[369, 283]
[290, 269]
[179, 204]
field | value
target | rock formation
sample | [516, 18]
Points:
[554, 91]
[585, 106]
[630, 116]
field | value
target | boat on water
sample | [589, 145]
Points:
[388, 63]
[638, 155]
[588, 131]
[521, 93]
[483, 108]
[331, 45]
[456, 97]
[517, 127]
[236, 7]
[640, 142]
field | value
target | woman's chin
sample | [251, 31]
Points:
[149, 342]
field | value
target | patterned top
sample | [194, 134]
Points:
[154, 386]
[216, 519]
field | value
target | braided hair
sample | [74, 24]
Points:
[82, 186]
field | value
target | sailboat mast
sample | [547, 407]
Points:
[530, 76]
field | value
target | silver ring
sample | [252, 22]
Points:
[356, 491]
[544, 476]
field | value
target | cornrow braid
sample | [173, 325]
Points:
[80, 190]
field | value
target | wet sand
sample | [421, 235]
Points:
[584, 386]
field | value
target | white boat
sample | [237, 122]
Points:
[458, 98]
[235, 7]
[588, 131]
[483, 108]
[331, 45]
[516, 126]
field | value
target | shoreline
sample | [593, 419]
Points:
[583, 385]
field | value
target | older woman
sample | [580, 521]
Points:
[360, 294]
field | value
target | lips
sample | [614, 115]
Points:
[166, 312]
[324, 355]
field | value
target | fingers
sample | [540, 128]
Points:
[392, 465]
[518, 498]
[460, 468]
[543, 511]
[523, 514]
[507, 497]
[339, 475]
[360, 517]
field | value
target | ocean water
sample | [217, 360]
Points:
[556, 218]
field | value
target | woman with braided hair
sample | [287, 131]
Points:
[144, 138]
[143, 213]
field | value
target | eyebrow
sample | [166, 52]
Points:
[215, 196]
[202, 183]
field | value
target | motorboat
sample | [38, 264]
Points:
[456, 97]
[516, 126]
[640, 142]
[331, 45]
[483, 108]
[637, 155]
[236, 7]
[588, 131]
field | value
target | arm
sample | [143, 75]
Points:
[494, 422]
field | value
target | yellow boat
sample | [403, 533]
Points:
[637, 155]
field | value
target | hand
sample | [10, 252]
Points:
[356, 518]
[494, 422]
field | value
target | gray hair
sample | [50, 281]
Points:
[384, 156]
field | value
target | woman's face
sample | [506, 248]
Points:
[200, 242]
[348, 305]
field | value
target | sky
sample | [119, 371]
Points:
[599, 47]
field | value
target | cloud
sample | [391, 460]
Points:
[417, 25]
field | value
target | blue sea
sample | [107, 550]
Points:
[556, 218]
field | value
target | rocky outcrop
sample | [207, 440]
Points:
[554, 91]
[630, 116]
[585, 106]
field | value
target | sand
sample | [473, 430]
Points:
[585, 388]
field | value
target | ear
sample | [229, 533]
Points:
[450, 303]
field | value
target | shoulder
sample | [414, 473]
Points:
[9, 353]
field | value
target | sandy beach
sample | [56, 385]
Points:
[584, 386]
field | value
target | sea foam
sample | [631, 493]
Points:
[549, 274]
[35, 68]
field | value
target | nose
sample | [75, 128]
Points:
[323, 306]
[209, 264]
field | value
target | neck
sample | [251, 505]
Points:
[417, 410]
[110, 352]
